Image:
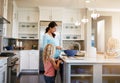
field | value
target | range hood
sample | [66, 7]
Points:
[3, 20]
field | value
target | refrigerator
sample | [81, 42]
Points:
[43, 25]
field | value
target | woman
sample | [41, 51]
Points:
[49, 38]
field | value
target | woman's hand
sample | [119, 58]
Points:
[58, 47]
[59, 61]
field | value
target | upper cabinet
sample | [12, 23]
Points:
[50, 13]
[71, 15]
[28, 15]
[3, 11]
[28, 19]
[3, 8]
[11, 30]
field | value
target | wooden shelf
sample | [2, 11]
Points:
[110, 75]
[72, 39]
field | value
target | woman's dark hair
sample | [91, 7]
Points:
[51, 25]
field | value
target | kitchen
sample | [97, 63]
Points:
[22, 25]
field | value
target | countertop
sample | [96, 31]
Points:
[90, 60]
[3, 58]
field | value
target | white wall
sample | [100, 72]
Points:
[101, 36]
[115, 22]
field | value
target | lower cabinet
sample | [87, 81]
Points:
[91, 73]
[29, 61]
[111, 73]
[3, 70]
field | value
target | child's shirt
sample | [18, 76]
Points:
[49, 69]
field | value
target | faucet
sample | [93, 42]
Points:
[79, 46]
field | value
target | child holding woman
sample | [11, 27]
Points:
[50, 64]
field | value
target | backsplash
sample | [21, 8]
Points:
[69, 45]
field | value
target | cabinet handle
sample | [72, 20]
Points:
[28, 18]
[50, 17]
[71, 19]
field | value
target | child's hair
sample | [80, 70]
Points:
[48, 52]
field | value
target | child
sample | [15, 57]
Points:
[50, 64]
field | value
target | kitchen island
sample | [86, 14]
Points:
[91, 70]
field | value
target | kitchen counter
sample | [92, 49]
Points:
[89, 60]
[91, 70]
[3, 58]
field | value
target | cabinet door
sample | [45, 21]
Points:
[71, 15]
[3, 8]
[28, 15]
[45, 14]
[23, 16]
[33, 16]
[57, 14]
[34, 59]
[24, 60]
[15, 22]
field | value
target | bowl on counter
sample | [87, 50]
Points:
[70, 52]
[9, 47]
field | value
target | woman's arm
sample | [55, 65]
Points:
[58, 47]
[55, 64]
[44, 41]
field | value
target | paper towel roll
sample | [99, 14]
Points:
[92, 52]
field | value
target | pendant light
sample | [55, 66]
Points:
[94, 13]
[85, 9]
[85, 19]
[77, 23]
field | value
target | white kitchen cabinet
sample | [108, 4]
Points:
[71, 32]
[71, 15]
[28, 15]
[11, 30]
[91, 70]
[29, 61]
[50, 13]
[15, 21]
[3, 8]
[3, 70]
[28, 19]
[28, 30]
[24, 60]
[34, 59]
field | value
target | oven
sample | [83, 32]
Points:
[11, 66]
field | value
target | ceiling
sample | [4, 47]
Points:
[98, 4]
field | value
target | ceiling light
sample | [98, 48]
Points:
[77, 23]
[84, 20]
[95, 15]
[87, 1]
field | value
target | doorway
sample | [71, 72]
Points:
[101, 32]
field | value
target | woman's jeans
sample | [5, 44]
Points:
[49, 79]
